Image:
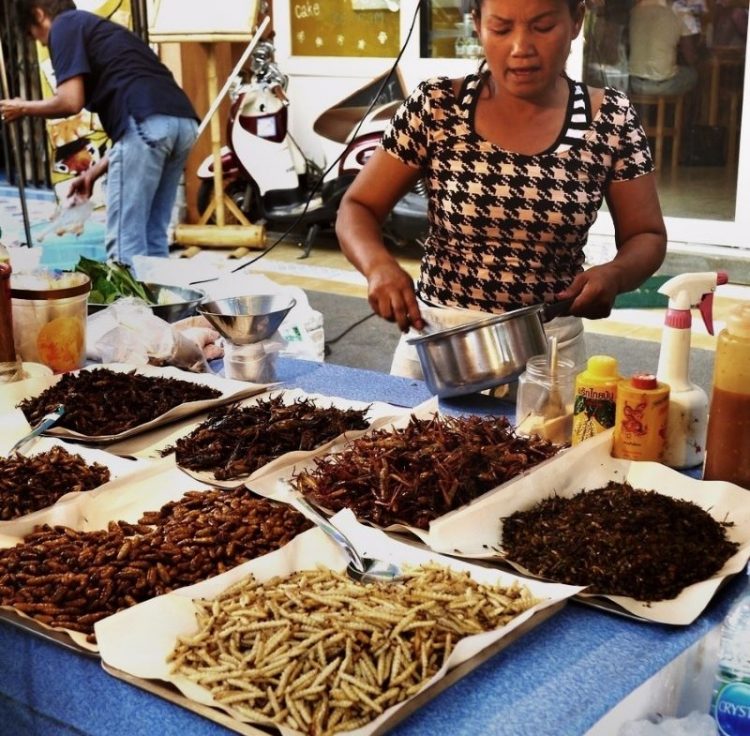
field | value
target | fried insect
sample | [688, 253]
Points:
[418, 473]
[236, 442]
[30, 483]
[619, 540]
[319, 653]
[71, 579]
[102, 401]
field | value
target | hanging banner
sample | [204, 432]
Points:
[76, 143]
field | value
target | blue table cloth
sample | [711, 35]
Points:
[558, 679]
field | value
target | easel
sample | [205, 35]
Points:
[219, 234]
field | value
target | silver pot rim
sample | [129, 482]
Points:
[476, 325]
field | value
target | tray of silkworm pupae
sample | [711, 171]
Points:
[93, 553]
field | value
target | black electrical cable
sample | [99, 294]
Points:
[344, 333]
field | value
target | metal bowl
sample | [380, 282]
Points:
[482, 354]
[179, 301]
[247, 319]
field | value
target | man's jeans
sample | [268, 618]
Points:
[145, 167]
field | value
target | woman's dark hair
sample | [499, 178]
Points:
[573, 6]
[25, 9]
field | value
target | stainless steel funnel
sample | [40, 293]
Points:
[247, 319]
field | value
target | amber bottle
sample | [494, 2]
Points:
[728, 438]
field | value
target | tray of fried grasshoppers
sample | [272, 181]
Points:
[237, 443]
[409, 471]
[645, 540]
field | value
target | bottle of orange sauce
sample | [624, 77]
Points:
[641, 416]
[728, 437]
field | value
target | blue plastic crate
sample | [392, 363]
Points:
[63, 251]
[64, 256]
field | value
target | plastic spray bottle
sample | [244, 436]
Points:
[688, 402]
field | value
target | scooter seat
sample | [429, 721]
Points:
[338, 123]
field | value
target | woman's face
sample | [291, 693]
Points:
[527, 42]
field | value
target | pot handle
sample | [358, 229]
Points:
[550, 310]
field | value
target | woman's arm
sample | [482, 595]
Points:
[641, 240]
[68, 100]
[364, 208]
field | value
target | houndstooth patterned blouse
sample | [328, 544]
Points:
[508, 229]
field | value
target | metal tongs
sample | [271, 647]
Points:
[47, 421]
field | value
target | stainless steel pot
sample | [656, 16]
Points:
[486, 353]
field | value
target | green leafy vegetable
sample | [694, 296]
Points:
[112, 280]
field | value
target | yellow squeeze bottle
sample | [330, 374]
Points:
[595, 398]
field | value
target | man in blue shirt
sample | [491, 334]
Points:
[102, 66]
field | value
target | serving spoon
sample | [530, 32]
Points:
[44, 424]
[361, 569]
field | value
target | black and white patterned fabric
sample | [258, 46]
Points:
[507, 229]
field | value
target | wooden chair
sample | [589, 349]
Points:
[654, 110]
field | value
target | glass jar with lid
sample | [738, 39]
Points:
[544, 404]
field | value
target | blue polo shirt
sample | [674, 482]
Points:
[122, 76]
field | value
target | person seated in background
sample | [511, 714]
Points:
[730, 23]
[656, 36]
[693, 14]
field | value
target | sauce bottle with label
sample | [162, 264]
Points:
[595, 398]
[728, 435]
[641, 415]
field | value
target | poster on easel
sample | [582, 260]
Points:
[77, 142]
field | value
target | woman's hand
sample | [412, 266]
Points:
[365, 206]
[391, 295]
[82, 187]
[641, 245]
[594, 291]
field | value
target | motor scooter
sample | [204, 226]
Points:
[271, 180]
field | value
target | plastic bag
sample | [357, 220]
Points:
[129, 332]
[302, 329]
[69, 217]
